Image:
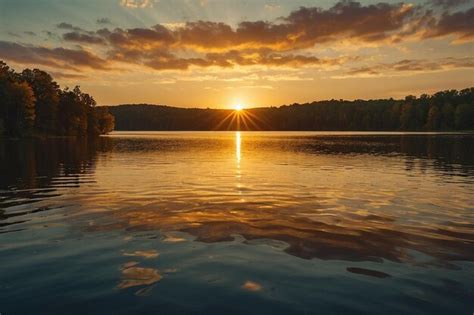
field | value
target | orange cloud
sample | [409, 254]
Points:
[250, 43]
[407, 67]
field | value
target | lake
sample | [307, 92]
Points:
[231, 223]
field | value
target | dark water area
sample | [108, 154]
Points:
[232, 223]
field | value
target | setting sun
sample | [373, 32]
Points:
[238, 107]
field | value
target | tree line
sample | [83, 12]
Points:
[443, 111]
[32, 103]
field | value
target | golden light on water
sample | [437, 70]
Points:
[238, 142]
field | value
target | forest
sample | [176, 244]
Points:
[33, 104]
[443, 111]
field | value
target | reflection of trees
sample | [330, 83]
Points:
[30, 164]
[449, 154]
[33, 170]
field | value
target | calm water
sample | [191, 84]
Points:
[222, 223]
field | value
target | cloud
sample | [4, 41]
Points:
[302, 28]
[51, 35]
[346, 21]
[448, 3]
[458, 24]
[137, 4]
[410, 67]
[284, 43]
[82, 38]
[272, 7]
[103, 21]
[13, 34]
[63, 75]
[68, 26]
[64, 58]
[164, 60]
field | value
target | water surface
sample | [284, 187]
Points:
[221, 223]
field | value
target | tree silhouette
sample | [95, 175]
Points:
[446, 110]
[33, 103]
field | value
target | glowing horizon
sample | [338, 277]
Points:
[194, 53]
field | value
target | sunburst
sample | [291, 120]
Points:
[242, 119]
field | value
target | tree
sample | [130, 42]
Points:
[46, 92]
[447, 116]
[105, 120]
[20, 109]
[464, 117]
[433, 121]
[407, 117]
[78, 115]
[32, 102]
[72, 119]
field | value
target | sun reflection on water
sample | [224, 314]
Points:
[238, 142]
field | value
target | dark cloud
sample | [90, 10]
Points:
[458, 24]
[412, 66]
[55, 57]
[68, 26]
[30, 33]
[13, 34]
[63, 75]
[103, 21]
[448, 3]
[145, 38]
[83, 38]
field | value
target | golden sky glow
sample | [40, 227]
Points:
[196, 53]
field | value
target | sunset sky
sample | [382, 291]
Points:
[218, 53]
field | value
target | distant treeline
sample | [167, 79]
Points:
[32, 103]
[446, 110]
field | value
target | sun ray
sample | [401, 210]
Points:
[229, 126]
[267, 125]
[244, 121]
[250, 120]
[223, 121]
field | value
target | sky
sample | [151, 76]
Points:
[220, 53]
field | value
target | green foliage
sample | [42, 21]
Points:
[32, 102]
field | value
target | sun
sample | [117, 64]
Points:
[238, 107]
